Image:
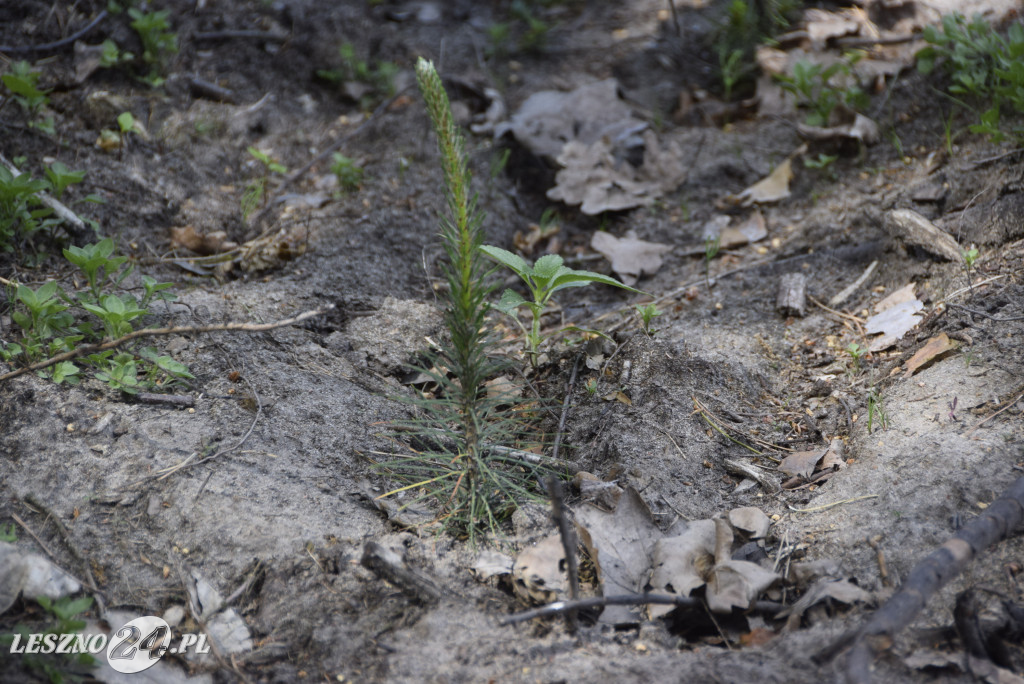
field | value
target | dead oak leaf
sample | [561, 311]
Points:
[932, 349]
[630, 258]
[620, 544]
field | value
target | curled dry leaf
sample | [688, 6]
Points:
[771, 188]
[603, 175]
[897, 315]
[620, 545]
[933, 349]
[631, 258]
[681, 563]
[537, 575]
[751, 520]
[801, 463]
[549, 119]
[492, 563]
[200, 243]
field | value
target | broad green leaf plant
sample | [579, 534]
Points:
[546, 277]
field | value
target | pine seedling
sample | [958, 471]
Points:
[455, 460]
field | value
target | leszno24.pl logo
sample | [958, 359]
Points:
[135, 647]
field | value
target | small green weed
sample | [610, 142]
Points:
[543, 279]
[983, 66]
[856, 352]
[379, 76]
[23, 216]
[53, 321]
[591, 386]
[647, 314]
[821, 89]
[521, 30]
[159, 42]
[744, 26]
[23, 82]
[876, 411]
[823, 164]
[252, 195]
[347, 171]
[63, 615]
[113, 56]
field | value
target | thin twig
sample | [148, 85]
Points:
[986, 315]
[57, 44]
[565, 408]
[1008, 405]
[770, 607]
[565, 531]
[84, 349]
[32, 534]
[815, 509]
[221, 452]
[843, 295]
[849, 317]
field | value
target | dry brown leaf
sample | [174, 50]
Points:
[801, 463]
[631, 258]
[751, 230]
[734, 584]
[932, 349]
[598, 177]
[751, 520]
[772, 188]
[620, 544]
[537, 574]
[490, 563]
[619, 396]
[904, 294]
[894, 322]
[200, 243]
[833, 458]
[681, 563]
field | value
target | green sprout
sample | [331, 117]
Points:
[647, 313]
[543, 279]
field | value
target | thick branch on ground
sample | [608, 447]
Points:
[83, 349]
[996, 523]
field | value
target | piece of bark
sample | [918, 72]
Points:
[792, 297]
[916, 230]
[390, 566]
[995, 523]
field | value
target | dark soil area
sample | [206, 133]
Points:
[265, 489]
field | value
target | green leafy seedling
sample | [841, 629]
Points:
[122, 374]
[98, 263]
[647, 313]
[158, 41]
[8, 533]
[111, 55]
[543, 279]
[23, 82]
[265, 159]
[116, 312]
[347, 171]
[61, 177]
[856, 352]
[591, 387]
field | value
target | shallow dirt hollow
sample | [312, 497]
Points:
[294, 417]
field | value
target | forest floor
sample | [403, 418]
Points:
[263, 489]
